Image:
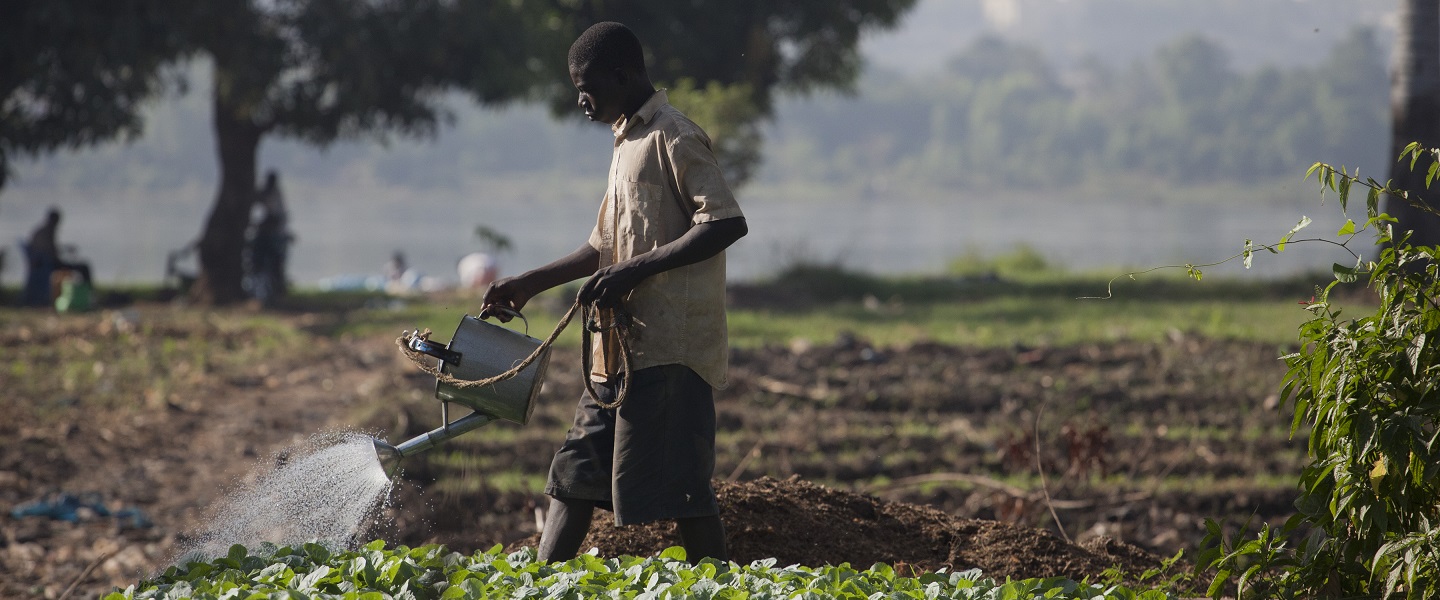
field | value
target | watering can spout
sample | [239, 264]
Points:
[389, 456]
[493, 371]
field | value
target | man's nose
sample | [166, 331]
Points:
[581, 101]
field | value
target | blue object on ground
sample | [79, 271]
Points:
[66, 507]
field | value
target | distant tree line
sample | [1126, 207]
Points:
[1003, 115]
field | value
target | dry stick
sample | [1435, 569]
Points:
[980, 480]
[86, 573]
[1005, 488]
[745, 462]
[1044, 485]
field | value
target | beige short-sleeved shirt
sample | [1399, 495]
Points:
[663, 180]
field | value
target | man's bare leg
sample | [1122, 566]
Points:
[566, 524]
[703, 537]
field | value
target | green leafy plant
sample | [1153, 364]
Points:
[496, 241]
[1368, 390]
[432, 572]
[1022, 260]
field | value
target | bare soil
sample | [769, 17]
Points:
[923, 456]
[798, 522]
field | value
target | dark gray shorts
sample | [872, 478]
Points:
[653, 460]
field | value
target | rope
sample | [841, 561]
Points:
[592, 325]
[589, 315]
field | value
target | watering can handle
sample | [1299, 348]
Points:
[500, 308]
[434, 349]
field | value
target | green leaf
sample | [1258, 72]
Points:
[1343, 273]
[1304, 222]
[309, 581]
[1413, 351]
[1347, 229]
[1014, 590]
[673, 553]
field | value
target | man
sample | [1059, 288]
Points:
[269, 243]
[656, 261]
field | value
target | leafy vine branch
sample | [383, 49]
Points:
[1337, 180]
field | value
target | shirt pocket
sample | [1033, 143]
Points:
[640, 226]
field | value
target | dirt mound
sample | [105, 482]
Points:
[798, 522]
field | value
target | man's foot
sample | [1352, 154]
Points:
[703, 537]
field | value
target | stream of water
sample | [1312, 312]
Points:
[328, 492]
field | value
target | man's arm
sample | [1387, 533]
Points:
[514, 292]
[702, 241]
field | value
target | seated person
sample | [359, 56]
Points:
[44, 259]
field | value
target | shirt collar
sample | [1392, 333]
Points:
[645, 114]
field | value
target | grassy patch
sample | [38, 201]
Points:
[1023, 321]
[818, 304]
[149, 357]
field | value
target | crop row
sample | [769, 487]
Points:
[432, 572]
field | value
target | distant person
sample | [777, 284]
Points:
[269, 246]
[477, 271]
[655, 261]
[400, 277]
[44, 261]
[396, 267]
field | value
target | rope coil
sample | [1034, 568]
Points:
[592, 325]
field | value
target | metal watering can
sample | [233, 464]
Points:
[478, 351]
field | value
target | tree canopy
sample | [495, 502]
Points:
[321, 70]
[75, 73]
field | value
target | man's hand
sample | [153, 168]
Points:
[509, 293]
[513, 292]
[610, 285]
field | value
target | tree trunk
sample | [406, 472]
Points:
[1415, 114]
[222, 244]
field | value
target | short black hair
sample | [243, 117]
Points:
[608, 45]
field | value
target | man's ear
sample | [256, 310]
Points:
[622, 76]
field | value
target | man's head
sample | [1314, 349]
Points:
[52, 216]
[607, 66]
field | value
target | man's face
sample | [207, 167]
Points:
[601, 93]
